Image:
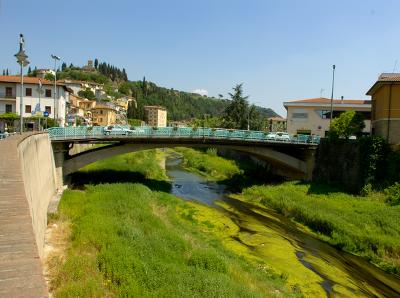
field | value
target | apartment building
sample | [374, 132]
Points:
[103, 115]
[385, 95]
[37, 94]
[312, 116]
[156, 116]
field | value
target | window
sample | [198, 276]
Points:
[8, 108]
[101, 112]
[48, 92]
[28, 91]
[324, 114]
[300, 115]
[47, 109]
[28, 109]
[8, 91]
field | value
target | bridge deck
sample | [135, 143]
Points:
[20, 266]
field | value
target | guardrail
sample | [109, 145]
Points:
[99, 132]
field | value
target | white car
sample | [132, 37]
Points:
[271, 136]
[282, 136]
[117, 130]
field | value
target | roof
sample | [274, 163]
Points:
[384, 79]
[103, 107]
[155, 107]
[70, 81]
[323, 100]
[27, 80]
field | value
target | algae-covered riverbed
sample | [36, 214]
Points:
[272, 242]
[134, 228]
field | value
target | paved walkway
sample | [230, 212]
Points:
[20, 266]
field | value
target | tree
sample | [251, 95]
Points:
[220, 96]
[63, 66]
[49, 77]
[236, 113]
[89, 94]
[96, 63]
[4, 72]
[349, 123]
[7, 73]
[29, 70]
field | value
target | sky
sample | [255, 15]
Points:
[279, 49]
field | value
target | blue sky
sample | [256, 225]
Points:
[281, 50]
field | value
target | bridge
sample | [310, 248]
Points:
[293, 159]
[33, 166]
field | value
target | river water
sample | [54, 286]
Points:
[313, 266]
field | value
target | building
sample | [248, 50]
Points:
[385, 95]
[103, 115]
[275, 124]
[76, 86]
[79, 111]
[156, 116]
[312, 116]
[41, 73]
[36, 97]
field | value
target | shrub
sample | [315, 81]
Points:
[393, 194]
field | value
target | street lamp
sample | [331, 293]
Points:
[22, 61]
[55, 83]
[333, 85]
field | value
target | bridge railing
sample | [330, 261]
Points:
[99, 132]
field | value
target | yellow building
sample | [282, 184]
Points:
[385, 95]
[312, 116]
[276, 124]
[103, 115]
[156, 116]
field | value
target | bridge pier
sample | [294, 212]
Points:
[60, 151]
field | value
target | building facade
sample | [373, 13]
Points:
[276, 124]
[37, 94]
[103, 115]
[156, 116]
[312, 116]
[385, 95]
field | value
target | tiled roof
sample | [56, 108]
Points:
[384, 78]
[323, 100]
[27, 80]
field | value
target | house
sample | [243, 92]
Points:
[103, 115]
[276, 124]
[156, 116]
[385, 95]
[312, 116]
[80, 109]
[38, 96]
[41, 73]
[77, 85]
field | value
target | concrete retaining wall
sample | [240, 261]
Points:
[38, 171]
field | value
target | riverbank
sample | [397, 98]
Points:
[128, 239]
[364, 226]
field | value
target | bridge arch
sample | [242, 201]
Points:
[284, 164]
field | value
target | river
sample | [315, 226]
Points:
[265, 237]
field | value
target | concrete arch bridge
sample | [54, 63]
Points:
[293, 159]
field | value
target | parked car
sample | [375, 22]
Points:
[282, 136]
[117, 130]
[271, 136]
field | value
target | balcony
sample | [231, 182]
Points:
[6, 95]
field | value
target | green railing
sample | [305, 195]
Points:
[100, 132]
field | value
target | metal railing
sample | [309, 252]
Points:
[101, 132]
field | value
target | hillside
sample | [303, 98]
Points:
[180, 105]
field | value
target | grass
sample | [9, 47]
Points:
[208, 164]
[365, 226]
[129, 240]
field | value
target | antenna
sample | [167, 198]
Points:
[395, 65]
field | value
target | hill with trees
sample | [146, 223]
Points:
[179, 104]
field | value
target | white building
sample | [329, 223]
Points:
[10, 94]
[76, 86]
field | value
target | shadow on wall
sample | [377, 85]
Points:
[78, 180]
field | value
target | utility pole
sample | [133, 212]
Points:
[55, 84]
[333, 85]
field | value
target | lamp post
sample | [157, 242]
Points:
[55, 84]
[22, 61]
[333, 85]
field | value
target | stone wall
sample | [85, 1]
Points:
[339, 164]
[38, 171]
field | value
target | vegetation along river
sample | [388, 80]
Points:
[268, 239]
